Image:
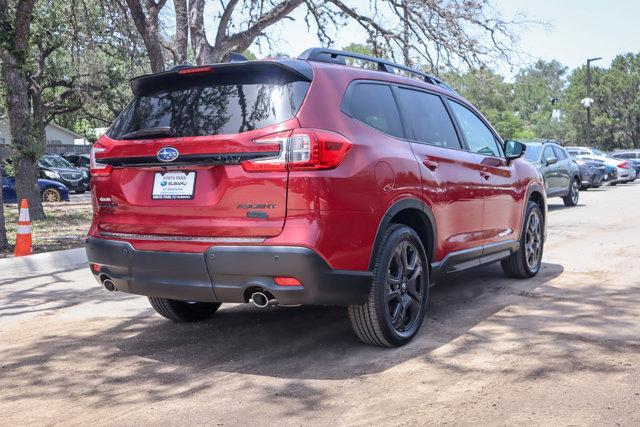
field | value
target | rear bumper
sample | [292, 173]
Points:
[227, 273]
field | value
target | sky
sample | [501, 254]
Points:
[576, 30]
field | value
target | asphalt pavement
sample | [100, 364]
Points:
[561, 348]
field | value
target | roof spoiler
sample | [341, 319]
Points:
[228, 72]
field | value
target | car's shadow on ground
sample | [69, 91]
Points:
[560, 206]
[143, 358]
[317, 342]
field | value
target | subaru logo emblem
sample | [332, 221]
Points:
[168, 154]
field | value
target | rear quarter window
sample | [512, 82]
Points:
[373, 104]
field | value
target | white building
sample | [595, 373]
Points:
[56, 135]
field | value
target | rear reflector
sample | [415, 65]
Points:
[287, 281]
[302, 149]
[95, 267]
[195, 70]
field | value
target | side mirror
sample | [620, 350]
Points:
[551, 160]
[514, 150]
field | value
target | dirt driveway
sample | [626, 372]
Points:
[563, 348]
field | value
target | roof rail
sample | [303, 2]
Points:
[320, 54]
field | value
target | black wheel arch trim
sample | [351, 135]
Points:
[393, 210]
[535, 188]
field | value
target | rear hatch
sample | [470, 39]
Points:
[192, 155]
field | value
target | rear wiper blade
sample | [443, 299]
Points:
[159, 131]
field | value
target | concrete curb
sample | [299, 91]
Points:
[41, 263]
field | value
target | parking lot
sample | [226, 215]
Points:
[563, 347]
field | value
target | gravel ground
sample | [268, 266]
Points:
[562, 348]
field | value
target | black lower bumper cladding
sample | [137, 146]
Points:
[227, 273]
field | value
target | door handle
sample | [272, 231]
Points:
[432, 165]
[485, 174]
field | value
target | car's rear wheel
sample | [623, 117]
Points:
[183, 311]
[526, 261]
[394, 311]
[574, 193]
[51, 195]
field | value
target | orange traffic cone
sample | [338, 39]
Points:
[23, 235]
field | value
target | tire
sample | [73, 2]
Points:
[401, 256]
[519, 265]
[574, 194]
[182, 311]
[51, 195]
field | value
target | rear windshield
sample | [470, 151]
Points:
[210, 109]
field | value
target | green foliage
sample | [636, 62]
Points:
[359, 48]
[249, 55]
[615, 113]
[494, 97]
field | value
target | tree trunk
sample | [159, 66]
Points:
[147, 25]
[4, 243]
[25, 147]
[181, 39]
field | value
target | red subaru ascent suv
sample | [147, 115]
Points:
[307, 181]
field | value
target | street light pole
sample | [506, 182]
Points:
[589, 61]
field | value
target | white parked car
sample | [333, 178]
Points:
[625, 174]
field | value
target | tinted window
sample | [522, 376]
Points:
[478, 135]
[560, 154]
[428, 119]
[212, 109]
[373, 104]
[532, 153]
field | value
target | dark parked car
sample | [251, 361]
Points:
[51, 191]
[81, 161]
[560, 173]
[592, 172]
[307, 181]
[56, 168]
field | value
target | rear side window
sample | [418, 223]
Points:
[478, 135]
[374, 105]
[427, 118]
[560, 153]
[211, 109]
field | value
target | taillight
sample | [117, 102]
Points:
[98, 169]
[623, 165]
[302, 149]
[270, 164]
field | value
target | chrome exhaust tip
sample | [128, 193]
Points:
[262, 300]
[108, 284]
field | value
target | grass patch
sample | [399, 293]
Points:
[65, 226]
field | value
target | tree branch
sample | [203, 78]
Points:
[242, 40]
[224, 21]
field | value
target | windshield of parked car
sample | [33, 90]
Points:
[54, 162]
[598, 152]
[532, 153]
